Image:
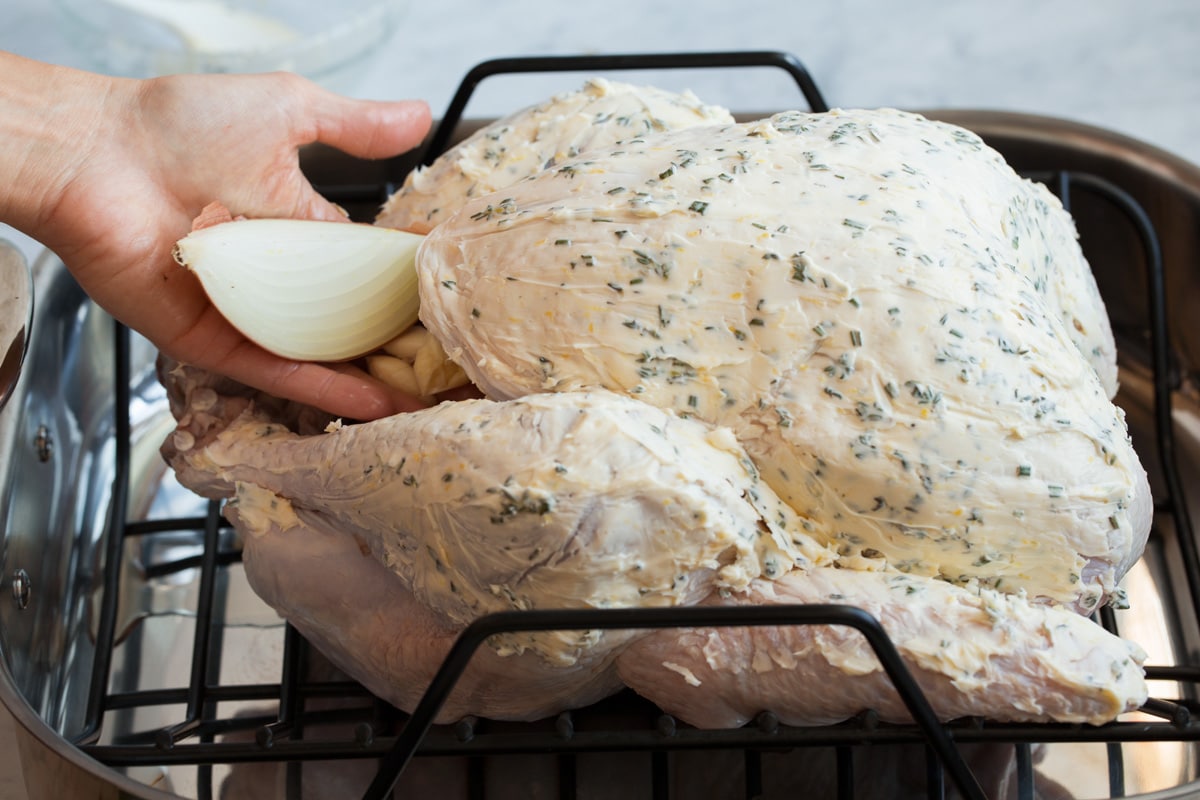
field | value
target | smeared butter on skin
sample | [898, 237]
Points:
[881, 311]
[261, 511]
[621, 505]
[1032, 661]
[521, 144]
[686, 673]
[799, 362]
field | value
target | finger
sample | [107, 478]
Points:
[369, 128]
[361, 128]
[311, 204]
[340, 389]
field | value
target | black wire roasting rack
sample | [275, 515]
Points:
[300, 726]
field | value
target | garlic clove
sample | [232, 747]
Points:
[305, 289]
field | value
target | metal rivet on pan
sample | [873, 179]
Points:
[43, 443]
[22, 588]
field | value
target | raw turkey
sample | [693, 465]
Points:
[600, 114]
[821, 358]
[900, 330]
[380, 541]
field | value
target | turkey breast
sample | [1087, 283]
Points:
[900, 330]
[601, 113]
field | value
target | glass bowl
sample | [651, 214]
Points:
[328, 42]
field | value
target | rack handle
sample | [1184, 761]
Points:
[628, 61]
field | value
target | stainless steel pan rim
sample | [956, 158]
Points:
[44, 753]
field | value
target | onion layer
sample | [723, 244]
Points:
[308, 290]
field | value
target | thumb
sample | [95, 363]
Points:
[361, 128]
[370, 128]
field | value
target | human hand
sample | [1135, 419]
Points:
[120, 168]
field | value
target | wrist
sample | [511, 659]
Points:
[47, 117]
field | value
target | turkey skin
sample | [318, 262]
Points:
[599, 114]
[554, 501]
[1030, 663]
[901, 331]
[381, 541]
[820, 358]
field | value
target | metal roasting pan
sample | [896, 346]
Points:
[138, 664]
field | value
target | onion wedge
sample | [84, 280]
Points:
[308, 290]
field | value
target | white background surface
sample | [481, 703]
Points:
[1131, 67]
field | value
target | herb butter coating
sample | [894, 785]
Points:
[381, 541]
[599, 114]
[591, 500]
[902, 332]
[1034, 663]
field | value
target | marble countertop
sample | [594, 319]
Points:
[1129, 67]
[1132, 68]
